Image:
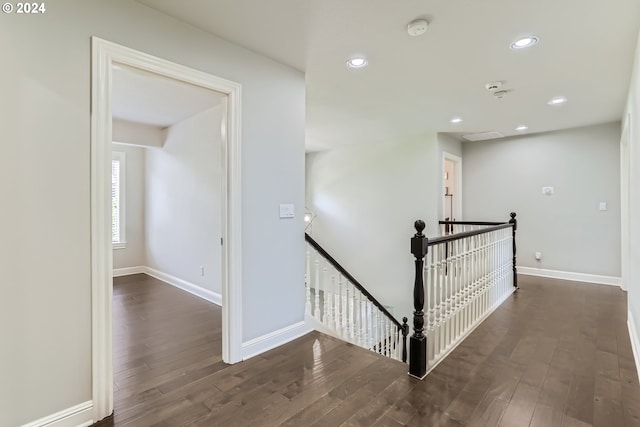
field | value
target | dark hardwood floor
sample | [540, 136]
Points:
[555, 354]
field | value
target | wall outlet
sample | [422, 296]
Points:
[202, 270]
[547, 191]
[538, 255]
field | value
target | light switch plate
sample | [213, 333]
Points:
[287, 210]
[603, 206]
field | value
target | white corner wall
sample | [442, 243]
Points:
[366, 199]
[583, 167]
[133, 255]
[632, 282]
[45, 133]
[183, 220]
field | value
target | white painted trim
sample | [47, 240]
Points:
[274, 339]
[127, 271]
[101, 245]
[196, 290]
[232, 227]
[625, 195]
[566, 275]
[103, 55]
[76, 416]
[635, 340]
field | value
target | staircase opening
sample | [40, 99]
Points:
[461, 276]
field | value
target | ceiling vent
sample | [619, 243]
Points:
[482, 136]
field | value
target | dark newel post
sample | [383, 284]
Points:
[418, 342]
[514, 221]
[405, 332]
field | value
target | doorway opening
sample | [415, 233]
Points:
[452, 187]
[104, 56]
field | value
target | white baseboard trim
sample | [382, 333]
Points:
[566, 275]
[118, 272]
[196, 290]
[77, 416]
[635, 340]
[274, 339]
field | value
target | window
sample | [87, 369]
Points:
[117, 200]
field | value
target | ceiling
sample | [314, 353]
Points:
[144, 97]
[415, 85]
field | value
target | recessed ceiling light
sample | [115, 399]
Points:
[357, 62]
[524, 42]
[456, 120]
[522, 128]
[557, 100]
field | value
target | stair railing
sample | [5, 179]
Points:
[346, 309]
[461, 277]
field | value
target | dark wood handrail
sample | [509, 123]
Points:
[350, 278]
[458, 236]
[471, 222]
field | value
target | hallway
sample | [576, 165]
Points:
[555, 354]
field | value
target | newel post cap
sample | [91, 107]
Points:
[419, 242]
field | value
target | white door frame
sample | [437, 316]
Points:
[625, 258]
[458, 190]
[103, 55]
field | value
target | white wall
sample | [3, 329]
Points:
[45, 317]
[134, 254]
[183, 215]
[366, 199]
[633, 266]
[582, 165]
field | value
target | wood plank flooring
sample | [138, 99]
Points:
[555, 354]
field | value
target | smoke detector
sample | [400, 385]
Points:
[417, 27]
[493, 86]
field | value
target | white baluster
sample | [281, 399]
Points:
[389, 335]
[376, 329]
[339, 307]
[331, 322]
[456, 287]
[350, 295]
[465, 283]
[380, 332]
[353, 307]
[429, 293]
[358, 319]
[366, 340]
[448, 292]
[325, 296]
[436, 283]
[316, 312]
[307, 284]
[344, 308]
